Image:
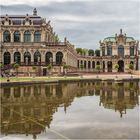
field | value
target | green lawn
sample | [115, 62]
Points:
[20, 79]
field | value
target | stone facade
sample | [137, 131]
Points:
[30, 41]
[121, 50]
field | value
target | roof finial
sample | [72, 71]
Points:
[35, 12]
[120, 31]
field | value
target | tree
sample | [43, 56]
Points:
[98, 67]
[97, 52]
[91, 52]
[79, 51]
[56, 38]
[49, 67]
[16, 67]
[138, 52]
[1, 66]
[85, 51]
[131, 67]
[34, 69]
[116, 66]
[81, 67]
[65, 67]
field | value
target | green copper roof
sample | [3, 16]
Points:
[112, 39]
[129, 39]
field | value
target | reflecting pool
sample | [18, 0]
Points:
[80, 110]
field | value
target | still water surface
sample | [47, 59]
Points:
[85, 110]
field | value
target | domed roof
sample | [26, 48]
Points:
[111, 39]
[129, 39]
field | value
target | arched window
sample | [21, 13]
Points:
[16, 36]
[59, 57]
[27, 58]
[78, 63]
[17, 58]
[6, 36]
[98, 63]
[37, 57]
[109, 66]
[121, 66]
[103, 66]
[7, 58]
[48, 58]
[109, 51]
[85, 64]
[27, 36]
[93, 64]
[131, 51]
[121, 51]
[37, 36]
[89, 64]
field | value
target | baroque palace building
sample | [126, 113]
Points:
[121, 50]
[30, 41]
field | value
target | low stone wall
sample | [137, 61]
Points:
[136, 72]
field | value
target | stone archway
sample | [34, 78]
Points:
[7, 58]
[103, 66]
[48, 58]
[109, 66]
[59, 57]
[121, 66]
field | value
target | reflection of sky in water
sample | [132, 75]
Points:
[86, 119]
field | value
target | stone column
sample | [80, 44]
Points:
[12, 58]
[43, 57]
[46, 39]
[43, 36]
[1, 36]
[54, 57]
[32, 36]
[22, 57]
[32, 58]
[12, 36]
[105, 51]
[22, 36]
[105, 66]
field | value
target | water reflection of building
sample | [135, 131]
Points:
[120, 96]
[29, 109]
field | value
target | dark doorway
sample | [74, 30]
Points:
[109, 66]
[121, 66]
[44, 72]
[103, 66]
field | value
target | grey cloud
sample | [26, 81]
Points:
[107, 17]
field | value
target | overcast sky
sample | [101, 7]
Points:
[83, 22]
